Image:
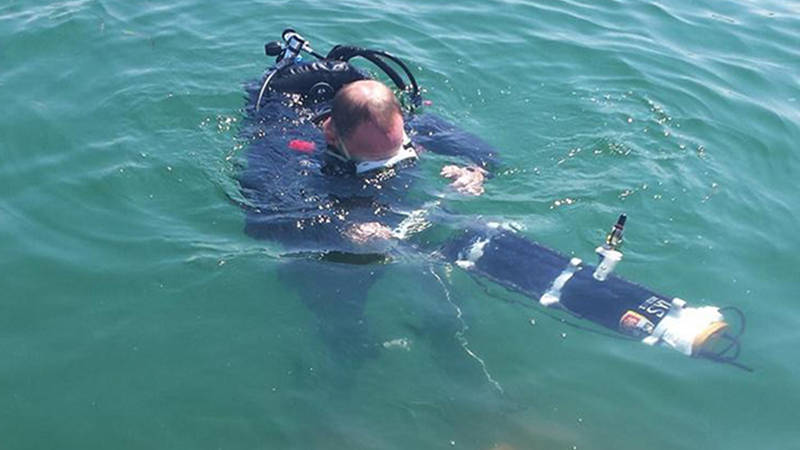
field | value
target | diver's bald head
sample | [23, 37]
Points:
[367, 117]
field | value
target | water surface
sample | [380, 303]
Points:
[136, 313]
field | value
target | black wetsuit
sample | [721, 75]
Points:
[306, 200]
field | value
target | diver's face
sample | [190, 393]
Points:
[368, 142]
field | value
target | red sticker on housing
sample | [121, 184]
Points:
[302, 146]
[636, 324]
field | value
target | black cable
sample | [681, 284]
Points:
[742, 319]
[729, 359]
[735, 345]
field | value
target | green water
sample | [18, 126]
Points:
[136, 314]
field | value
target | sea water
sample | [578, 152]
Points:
[135, 313]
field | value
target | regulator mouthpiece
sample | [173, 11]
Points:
[273, 48]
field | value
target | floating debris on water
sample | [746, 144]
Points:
[402, 343]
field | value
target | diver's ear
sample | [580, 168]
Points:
[329, 129]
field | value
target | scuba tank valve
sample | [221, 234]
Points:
[287, 54]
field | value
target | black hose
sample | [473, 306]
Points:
[347, 52]
[403, 66]
[386, 69]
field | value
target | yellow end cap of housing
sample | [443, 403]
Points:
[707, 337]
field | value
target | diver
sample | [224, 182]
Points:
[327, 191]
[345, 204]
[331, 159]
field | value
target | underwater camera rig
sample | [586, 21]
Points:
[596, 294]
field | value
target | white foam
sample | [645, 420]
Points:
[399, 343]
[472, 255]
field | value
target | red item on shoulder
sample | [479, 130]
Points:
[302, 146]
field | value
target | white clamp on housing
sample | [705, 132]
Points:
[688, 329]
[608, 253]
[553, 295]
[609, 259]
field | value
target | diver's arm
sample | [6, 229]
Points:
[440, 136]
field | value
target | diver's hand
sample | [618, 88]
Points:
[468, 180]
[361, 233]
